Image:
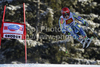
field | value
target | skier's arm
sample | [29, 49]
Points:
[79, 18]
[61, 24]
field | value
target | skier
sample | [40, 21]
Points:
[69, 26]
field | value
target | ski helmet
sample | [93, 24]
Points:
[65, 12]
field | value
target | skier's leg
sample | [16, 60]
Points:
[85, 38]
[81, 31]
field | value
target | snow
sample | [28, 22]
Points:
[82, 0]
[45, 65]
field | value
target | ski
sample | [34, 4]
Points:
[86, 41]
[89, 42]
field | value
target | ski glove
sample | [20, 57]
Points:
[86, 24]
[65, 32]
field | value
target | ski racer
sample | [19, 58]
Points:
[69, 26]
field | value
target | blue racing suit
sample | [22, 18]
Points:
[71, 26]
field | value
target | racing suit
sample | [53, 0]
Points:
[69, 25]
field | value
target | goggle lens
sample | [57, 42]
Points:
[66, 14]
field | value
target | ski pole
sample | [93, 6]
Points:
[94, 33]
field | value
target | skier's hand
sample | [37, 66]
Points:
[86, 24]
[67, 33]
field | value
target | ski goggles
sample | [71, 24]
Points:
[66, 14]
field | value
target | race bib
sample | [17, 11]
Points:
[69, 21]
